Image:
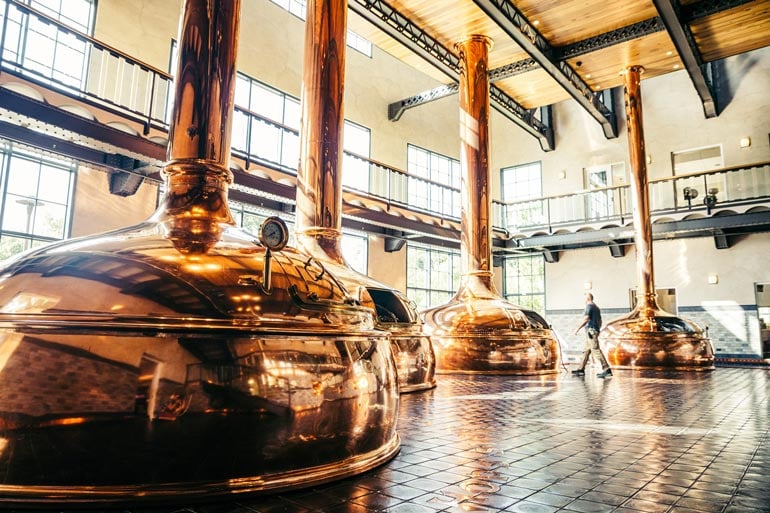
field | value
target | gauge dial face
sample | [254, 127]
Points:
[273, 233]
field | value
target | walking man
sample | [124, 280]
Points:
[592, 320]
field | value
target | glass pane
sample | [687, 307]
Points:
[292, 113]
[266, 102]
[18, 213]
[23, 177]
[417, 267]
[355, 250]
[49, 220]
[355, 173]
[265, 141]
[419, 296]
[356, 139]
[54, 184]
[242, 90]
[240, 131]
[251, 222]
[290, 151]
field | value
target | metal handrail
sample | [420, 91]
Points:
[143, 108]
[667, 195]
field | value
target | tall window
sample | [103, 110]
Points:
[278, 142]
[434, 181]
[269, 141]
[518, 184]
[36, 198]
[602, 202]
[355, 249]
[45, 50]
[298, 8]
[524, 281]
[355, 172]
[432, 274]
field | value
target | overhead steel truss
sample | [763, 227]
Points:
[686, 15]
[683, 40]
[400, 28]
[516, 25]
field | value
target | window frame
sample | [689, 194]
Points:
[433, 295]
[30, 237]
[526, 300]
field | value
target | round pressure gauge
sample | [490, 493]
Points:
[273, 233]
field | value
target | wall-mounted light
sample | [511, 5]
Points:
[587, 285]
[713, 279]
[689, 194]
[562, 174]
[710, 199]
[745, 142]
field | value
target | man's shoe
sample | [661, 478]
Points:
[578, 372]
[605, 374]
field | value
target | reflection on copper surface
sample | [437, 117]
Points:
[477, 330]
[649, 336]
[319, 193]
[151, 363]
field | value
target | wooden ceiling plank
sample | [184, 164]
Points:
[513, 23]
[401, 28]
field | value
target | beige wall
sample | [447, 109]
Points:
[97, 210]
[683, 264]
[389, 268]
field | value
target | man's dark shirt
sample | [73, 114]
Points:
[594, 317]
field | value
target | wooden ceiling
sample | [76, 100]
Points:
[597, 39]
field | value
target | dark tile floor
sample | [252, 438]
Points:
[638, 442]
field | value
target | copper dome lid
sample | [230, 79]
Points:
[182, 358]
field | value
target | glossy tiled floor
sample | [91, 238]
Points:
[649, 442]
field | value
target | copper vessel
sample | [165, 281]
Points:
[477, 331]
[649, 337]
[319, 194]
[181, 358]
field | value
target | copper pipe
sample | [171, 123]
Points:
[477, 331]
[649, 337]
[319, 192]
[639, 193]
[476, 239]
[319, 178]
[197, 172]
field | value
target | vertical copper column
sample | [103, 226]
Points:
[477, 331]
[319, 192]
[199, 139]
[649, 337]
[476, 239]
[640, 193]
[319, 180]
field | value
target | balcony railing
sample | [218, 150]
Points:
[263, 141]
[712, 189]
[47, 52]
[79, 66]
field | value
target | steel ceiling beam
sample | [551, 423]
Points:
[694, 11]
[403, 30]
[516, 25]
[396, 109]
[683, 40]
